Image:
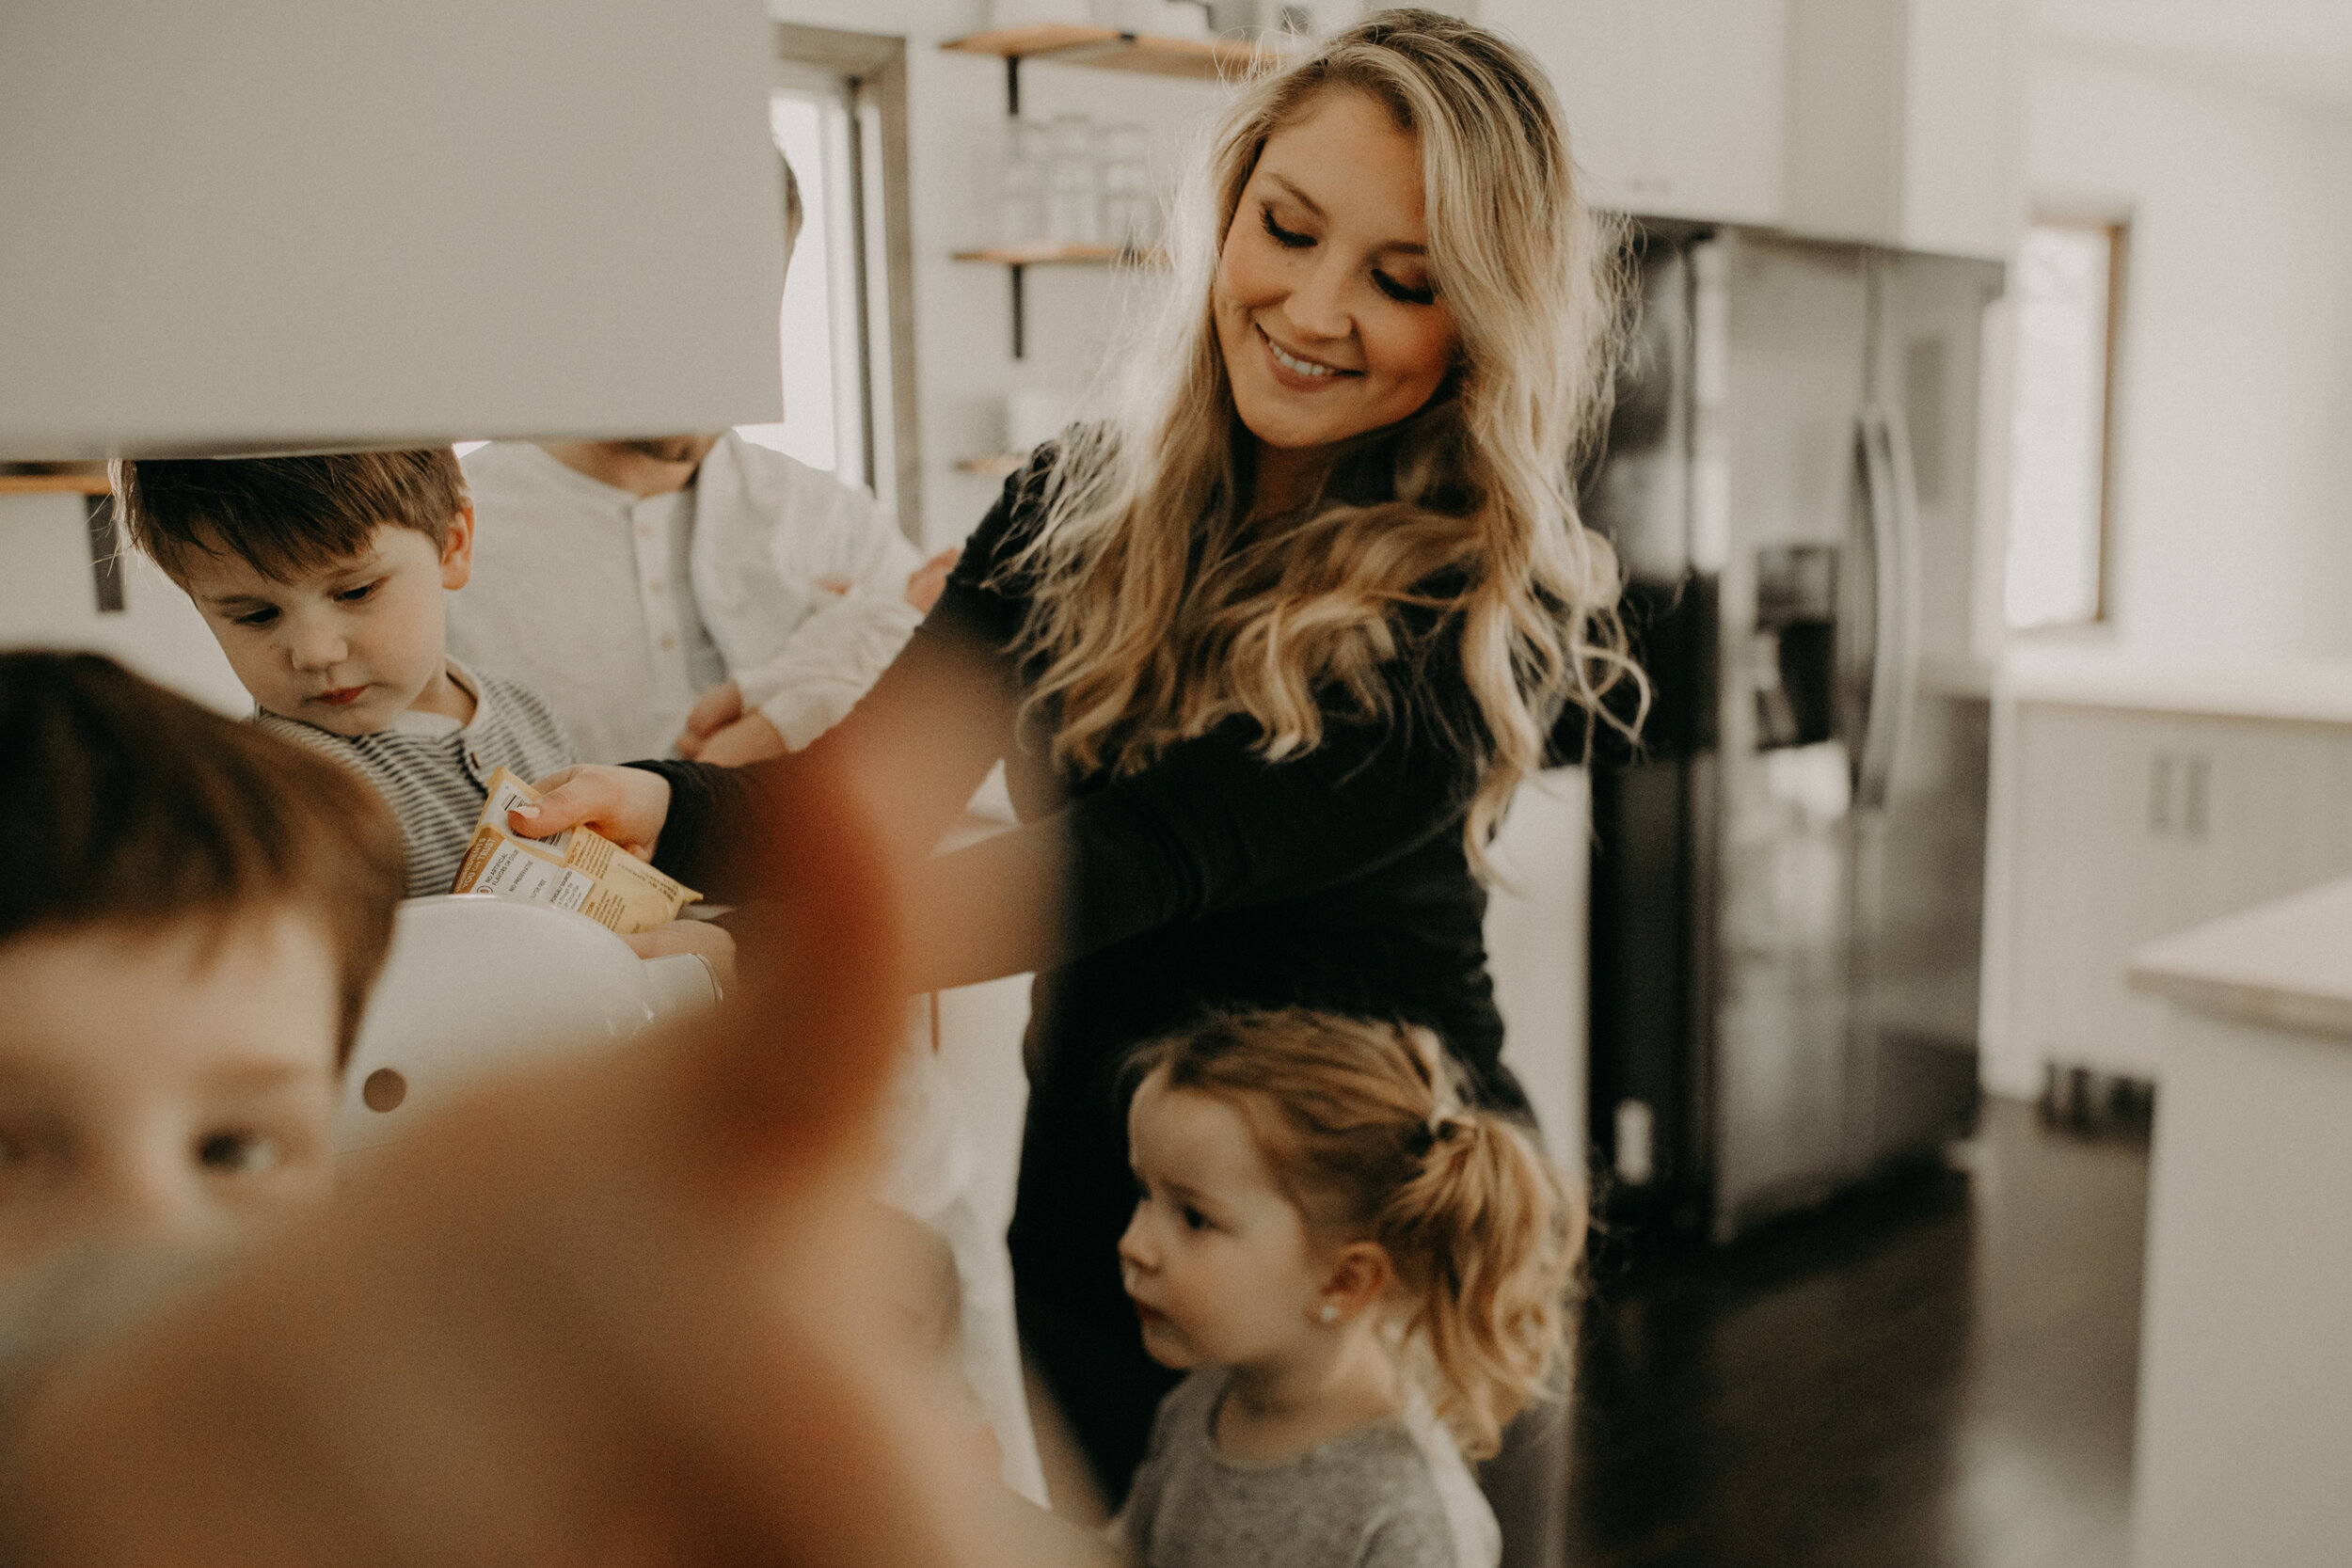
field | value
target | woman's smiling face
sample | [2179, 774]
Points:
[1323, 303]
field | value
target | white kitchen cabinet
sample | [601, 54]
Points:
[2129, 825]
[1674, 107]
[1903, 125]
[2245, 1392]
[1886, 122]
[1535, 950]
[272, 225]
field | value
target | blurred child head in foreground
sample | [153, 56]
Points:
[191, 914]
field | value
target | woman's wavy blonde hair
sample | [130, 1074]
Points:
[1157, 615]
[1365, 1127]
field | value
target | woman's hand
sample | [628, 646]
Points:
[626, 805]
[713, 711]
[713, 944]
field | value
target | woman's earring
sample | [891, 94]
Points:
[1331, 1312]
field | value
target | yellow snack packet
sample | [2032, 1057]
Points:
[576, 869]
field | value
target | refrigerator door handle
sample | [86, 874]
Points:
[1893, 517]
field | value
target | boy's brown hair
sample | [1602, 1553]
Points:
[286, 518]
[130, 806]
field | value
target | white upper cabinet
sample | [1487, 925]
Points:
[1887, 121]
[274, 225]
[1674, 106]
[1902, 124]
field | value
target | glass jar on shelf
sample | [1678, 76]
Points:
[1131, 210]
[1021, 186]
[1073, 184]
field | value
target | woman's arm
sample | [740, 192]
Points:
[916, 748]
[917, 745]
[1209, 827]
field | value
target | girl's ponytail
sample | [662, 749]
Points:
[1365, 1125]
[1485, 1237]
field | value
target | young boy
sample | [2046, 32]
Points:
[323, 578]
[191, 914]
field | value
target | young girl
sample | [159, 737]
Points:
[1365, 1277]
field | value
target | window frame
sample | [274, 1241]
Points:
[873, 69]
[2117, 227]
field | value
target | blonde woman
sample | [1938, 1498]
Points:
[1265, 651]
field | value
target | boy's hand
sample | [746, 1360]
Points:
[717, 708]
[626, 805]
[621, 1309]
[931, 579]
[749, 738]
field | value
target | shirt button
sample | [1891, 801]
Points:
[657, 586]
[668, 641]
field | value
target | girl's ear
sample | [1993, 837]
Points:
[1361, 1273]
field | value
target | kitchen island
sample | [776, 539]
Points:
[2245, 1351]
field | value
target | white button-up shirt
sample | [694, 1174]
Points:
[622, 610]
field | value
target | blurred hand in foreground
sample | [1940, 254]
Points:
[621, 1310]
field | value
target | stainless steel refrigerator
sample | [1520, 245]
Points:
[1788, 875]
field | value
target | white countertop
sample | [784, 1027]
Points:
[2311, 690]
[2286, 965]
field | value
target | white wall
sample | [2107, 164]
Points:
[48, 598]
[2231, 510]
[963, 311]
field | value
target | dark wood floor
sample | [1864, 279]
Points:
[1938, 1376]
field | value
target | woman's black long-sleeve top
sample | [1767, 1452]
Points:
[1212, 878]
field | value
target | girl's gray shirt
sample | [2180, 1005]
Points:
[1395, 1494]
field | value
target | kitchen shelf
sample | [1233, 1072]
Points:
[1002, 465]
[1206, 59]
[51, 484]
[1019, 258]
[1044, 255]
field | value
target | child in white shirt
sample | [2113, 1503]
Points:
[702, 595]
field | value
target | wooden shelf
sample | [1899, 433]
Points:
[1207, 59]
[1060, 255]
[1202, 59]
[1018, 259]
[51, 484]
[1002, 465]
